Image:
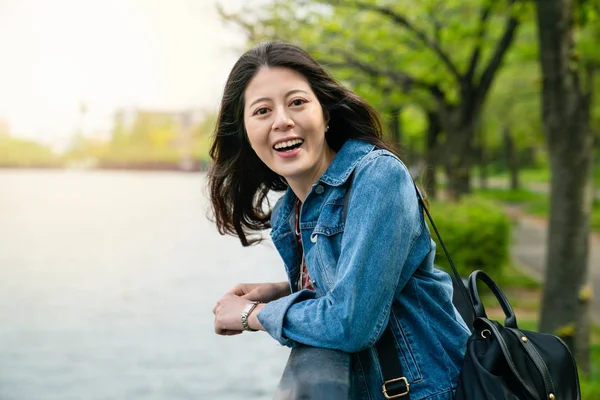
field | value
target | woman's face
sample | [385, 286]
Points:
[285, 125]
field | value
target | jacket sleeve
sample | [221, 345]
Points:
[384, 212]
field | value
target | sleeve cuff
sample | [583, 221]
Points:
[273, 314]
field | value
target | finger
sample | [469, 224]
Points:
[252, 295]
[237, 290]
[229, 332]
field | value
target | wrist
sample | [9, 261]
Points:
[284, 289]
[253, 321]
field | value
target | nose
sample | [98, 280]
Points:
[282, 121]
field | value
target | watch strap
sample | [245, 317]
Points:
[246, 312]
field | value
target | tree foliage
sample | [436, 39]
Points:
[441, 56]
[15, 152]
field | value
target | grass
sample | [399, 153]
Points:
[524, 294]
[541, 175]
[533, 203]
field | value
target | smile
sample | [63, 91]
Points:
[288, 145]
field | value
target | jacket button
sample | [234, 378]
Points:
[313, 238]
[319, 189]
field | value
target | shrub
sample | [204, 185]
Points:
[476, 233]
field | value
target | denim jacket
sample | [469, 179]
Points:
[369, 268]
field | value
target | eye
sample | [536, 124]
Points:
[261, 111]
[298, 102]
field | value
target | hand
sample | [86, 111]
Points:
[263, 292]
[228, 319]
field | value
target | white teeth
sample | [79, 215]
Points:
[288, 143]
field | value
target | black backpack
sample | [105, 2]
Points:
[503, 362]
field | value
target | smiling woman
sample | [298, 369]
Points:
[349, 229]
[286, 127]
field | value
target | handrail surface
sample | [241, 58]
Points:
[315, 373]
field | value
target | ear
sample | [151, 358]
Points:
[326, 116]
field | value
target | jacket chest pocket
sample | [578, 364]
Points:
[325, 246]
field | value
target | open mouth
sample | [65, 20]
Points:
[288, 145]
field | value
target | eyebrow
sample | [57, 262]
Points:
[293, 91]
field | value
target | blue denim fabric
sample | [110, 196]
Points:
[369, 269]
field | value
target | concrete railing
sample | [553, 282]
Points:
[315, 373]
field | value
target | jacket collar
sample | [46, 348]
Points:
[338, 172]
[344, 162]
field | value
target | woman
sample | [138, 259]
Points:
[349, 228]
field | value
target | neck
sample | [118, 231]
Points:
[301, 185]
[300, 189]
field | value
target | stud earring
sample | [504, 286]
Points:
[326, 128]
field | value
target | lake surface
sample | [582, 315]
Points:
[107, 284]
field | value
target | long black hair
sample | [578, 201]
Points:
[238, 180]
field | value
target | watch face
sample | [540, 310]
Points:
[249, 307]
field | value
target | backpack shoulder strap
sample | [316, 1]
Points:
[461, 299]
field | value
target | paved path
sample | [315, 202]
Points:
[528, 248]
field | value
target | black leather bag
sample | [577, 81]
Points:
[505, 362]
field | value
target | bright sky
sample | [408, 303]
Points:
[160, 54]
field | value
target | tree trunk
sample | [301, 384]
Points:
[482, 158]
[431, 154]
[458, 176]
[396, 127]
[565, 112]
[459, 125]
[512, 159]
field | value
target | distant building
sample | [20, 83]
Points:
[184, 118]
[99, 136]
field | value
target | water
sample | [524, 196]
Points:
[107, 283]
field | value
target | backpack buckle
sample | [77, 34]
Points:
[404, 390]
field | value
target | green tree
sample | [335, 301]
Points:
[444, 55]
[15, 152]
[201, 136]
[511, 120]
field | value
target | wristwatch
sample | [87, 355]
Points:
[246, 312]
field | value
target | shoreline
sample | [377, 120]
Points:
[145, 167]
